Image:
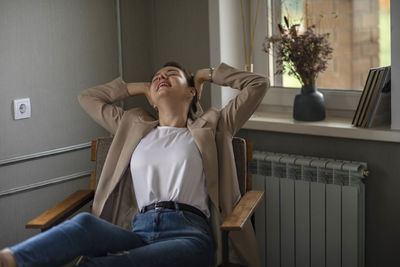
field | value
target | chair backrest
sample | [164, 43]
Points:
[100, 149]
[241, 159]
[242, 151]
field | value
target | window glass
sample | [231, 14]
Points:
[359, 35]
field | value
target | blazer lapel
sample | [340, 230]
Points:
[134, 135]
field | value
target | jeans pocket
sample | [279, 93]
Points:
[196, 222]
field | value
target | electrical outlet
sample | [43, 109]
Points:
[22, 108]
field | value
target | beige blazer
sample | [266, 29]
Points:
[213, 131]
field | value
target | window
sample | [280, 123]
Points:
[359, 34]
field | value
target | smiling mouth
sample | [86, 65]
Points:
[163, 84]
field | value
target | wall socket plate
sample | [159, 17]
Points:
[22, 108]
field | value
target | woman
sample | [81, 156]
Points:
[180, 185]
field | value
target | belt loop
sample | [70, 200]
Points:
[176, 205]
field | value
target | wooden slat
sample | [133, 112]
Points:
[53, 215]
[249, 181]
[243, 211]
[94, 147]
[92, 180]
[249, 151]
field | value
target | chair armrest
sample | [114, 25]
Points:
[61, 210]
[243, 211]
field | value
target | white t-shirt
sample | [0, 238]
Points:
[167, 166]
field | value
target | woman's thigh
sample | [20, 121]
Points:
[174, 252]
[102, 236]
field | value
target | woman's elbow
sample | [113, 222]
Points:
[263, 86]
[82, 96]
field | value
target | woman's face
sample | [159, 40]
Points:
[170, 84]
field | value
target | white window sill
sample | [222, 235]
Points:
[331, 126]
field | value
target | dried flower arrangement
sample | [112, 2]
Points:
[306, 54]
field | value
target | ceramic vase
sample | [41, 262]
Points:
[309, 105]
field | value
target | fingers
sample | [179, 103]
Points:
[199, 89]
[201, 76]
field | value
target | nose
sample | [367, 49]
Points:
[163, 75]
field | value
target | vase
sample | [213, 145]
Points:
[309, 105]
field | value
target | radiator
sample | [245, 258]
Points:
[313, 211]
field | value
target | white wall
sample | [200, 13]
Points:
[231, 41]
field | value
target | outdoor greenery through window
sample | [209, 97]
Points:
[359, 35]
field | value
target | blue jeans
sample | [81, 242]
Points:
[159, 238]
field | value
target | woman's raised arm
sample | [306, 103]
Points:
[253, 87]
[98, 101]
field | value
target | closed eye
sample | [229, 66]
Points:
[168, 73]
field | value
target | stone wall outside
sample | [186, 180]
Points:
[354, 36]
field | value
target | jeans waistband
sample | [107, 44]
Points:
[174, 206]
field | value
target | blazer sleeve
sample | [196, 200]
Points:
[98, 103]
[253, 88]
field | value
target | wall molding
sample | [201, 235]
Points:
[35, 186]
[52, 152]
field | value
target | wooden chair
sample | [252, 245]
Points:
[234, 222]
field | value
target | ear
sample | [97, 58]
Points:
[192, 91]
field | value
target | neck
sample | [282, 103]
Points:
[173, 116]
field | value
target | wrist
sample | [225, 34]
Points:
[202, 76]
